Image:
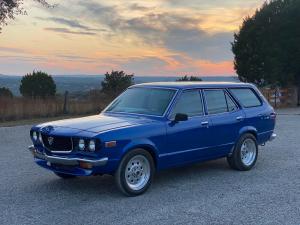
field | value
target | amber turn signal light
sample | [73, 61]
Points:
[85, 165]
[110, 144]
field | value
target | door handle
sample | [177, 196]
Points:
[205, 123]
[239, 118]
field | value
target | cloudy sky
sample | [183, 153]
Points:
[153, 37]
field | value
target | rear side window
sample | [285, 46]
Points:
[189, 103]
[246, 97]
[218, 101]
[215, 101]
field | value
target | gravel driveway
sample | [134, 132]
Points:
[207, 193]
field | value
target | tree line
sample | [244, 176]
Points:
[39, 84]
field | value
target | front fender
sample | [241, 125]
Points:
[142, 143]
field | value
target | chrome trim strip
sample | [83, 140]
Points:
[194, 149]
[65, 160]
[265, 132]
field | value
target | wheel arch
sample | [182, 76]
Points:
[248, 129]
[147, 146]
[244, 130]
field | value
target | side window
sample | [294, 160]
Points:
[231, 105]
[215, 101]
[189, 103]
[246, 97]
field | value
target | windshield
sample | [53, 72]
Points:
[149, 101]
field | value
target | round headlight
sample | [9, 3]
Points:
[81, 145]
[92, 146]
[34, 135]
[40, 138]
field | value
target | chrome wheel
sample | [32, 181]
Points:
[248, 152]
[137, 172]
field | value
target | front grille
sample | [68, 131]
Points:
[57, 143]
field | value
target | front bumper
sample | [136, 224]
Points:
[60, 163]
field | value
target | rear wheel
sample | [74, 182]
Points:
[245, 153]
[135, 172]
[64, 176]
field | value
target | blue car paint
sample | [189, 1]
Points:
[171, 144]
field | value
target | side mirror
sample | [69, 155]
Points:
[181, 117]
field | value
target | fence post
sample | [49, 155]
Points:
[275, 98]
[65, 109]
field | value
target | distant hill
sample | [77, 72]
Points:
[84, 83]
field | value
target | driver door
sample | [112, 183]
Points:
[187, 141]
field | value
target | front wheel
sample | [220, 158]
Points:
[135, 172]
[245, 153]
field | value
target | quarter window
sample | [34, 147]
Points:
[189, 103]
[230, 104]
[246, 97]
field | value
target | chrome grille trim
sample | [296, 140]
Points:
[56, 151]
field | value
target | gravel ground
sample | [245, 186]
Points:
[207, 193]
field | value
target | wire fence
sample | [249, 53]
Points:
[281, 97]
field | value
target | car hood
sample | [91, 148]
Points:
[97, 123]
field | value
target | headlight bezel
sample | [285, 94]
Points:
[81, 144]
[35, 136]
[92, 145]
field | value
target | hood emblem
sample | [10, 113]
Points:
[50, 140]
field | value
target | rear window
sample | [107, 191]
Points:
[246, 97]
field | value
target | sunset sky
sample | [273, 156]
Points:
[153, 37]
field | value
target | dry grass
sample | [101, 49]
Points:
[17, 109]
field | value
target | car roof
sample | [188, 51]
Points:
[189, 85]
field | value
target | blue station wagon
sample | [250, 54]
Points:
[156, 126]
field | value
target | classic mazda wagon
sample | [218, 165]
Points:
[156, 126]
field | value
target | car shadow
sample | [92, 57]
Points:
[104, 185]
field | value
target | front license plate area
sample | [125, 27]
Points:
[62, 167]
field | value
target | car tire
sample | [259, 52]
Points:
[135, 172]
[245, 153]
[64, 176]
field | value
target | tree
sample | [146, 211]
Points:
[116, 82]
[191, 78]
[267, 49]
[38, 84]
[5, 92]
[11, 8]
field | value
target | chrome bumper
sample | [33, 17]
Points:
[64, 160]
[273, 136]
